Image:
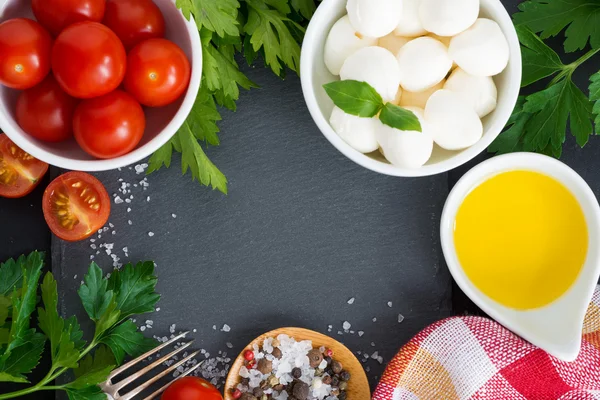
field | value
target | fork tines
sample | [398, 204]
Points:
[113, 389]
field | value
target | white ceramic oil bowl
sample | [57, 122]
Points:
[161, 123]
[314, 75]
[556, 327]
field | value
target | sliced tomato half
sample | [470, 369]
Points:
[20, 172]
[75, 206]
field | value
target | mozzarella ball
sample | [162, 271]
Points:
[374, 18]
[342, 41]
[481, 50]
[410, 24]
[424, 62]
[406, 149]
[393, 43]
[376, 66]
[398, 97]
[448, 17]
[453, 124]
[418, 99]
[478, 91]
[356, 131]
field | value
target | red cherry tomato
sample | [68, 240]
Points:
[109, 126]
[46, 112]
[20, 173]
[134, 20]
[25, 49]
[88, 60]
[56, 15]
[158, 72]
[191, 388]
[75, 206]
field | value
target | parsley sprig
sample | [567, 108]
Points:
[539, 121]
[271, 29]
[109, 302]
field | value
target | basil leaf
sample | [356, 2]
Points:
[355, 98]
[400, 118]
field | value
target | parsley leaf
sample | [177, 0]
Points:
[89, 393]
[539, 60]
[23, 359]
[94, 294]
[217, 16]
[125, 339]
[595, 96]
[94, 369]
[306, 8]
[62, 348]
[550, 17]
[134, 289]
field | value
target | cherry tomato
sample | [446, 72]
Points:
[46, 112]
[20, 173]
[191, 388]
[25, 49]
[134, 20]
[109, 126]
[56, 15]
[75, 206]
[158, 72]
[88, 60]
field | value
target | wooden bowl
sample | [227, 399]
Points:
[358, 385]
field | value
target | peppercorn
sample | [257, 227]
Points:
[276, 353]
[335, 381]
[237, 393]
[315, 357]
[245, 381]
[296, 372]
[335, 391]
[300, 390]
[258, 392]
[249, 355]
[345, 375]
[328, 359]
[329, 352]
[251, 364]
[264, 366]
[336, 367]
[279, 387]
[248, 396]
[273, 381]
[329, 371]
[327, 379]
[264, 397]
[318, 372]
[342, 396]
[343, 385]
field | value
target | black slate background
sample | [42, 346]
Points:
[302, 230]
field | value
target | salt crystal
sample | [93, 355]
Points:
[148, 198]
[142, 328]
[118, 200]
[374, 319]
[340, 333]
[389, 304]
[372, 344]
[128, 209]
[129, 222]
[172, 328]
[229, 345]
[214, 327]
[111, 225]
[346, 325]
[351, 301]
[150, 234]
[105, 229]
[127, 200]
[380, 360]
[174, 215]
[400, 318]
[157, 309]
[225, 328]
[375, 355]
[114, 232]
[360, 333]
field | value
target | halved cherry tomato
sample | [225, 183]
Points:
[134, 20]
[75, 206]
[191, 388]
[109, 126]
[88, 60]
[158, 72]
[20, 172]
[46, 112]
[25, 49]
[56, 15]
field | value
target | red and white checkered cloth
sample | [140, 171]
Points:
[476, 358]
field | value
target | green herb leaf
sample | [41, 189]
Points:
[510, 140]
[539, 60]
[125, 339]
[72, 326]
[595, 97]
[306, 8]
[550, 17]
[268, 31]
[400, 118]
[89, 393]
[217, 16]
[134, 289]
[23, 359]
[94, 294]
[24, 303]
[93, 369]
[355, 98]
[62, 348]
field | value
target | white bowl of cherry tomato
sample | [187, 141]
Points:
[93, 85]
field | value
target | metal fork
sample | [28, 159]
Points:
[113, 389]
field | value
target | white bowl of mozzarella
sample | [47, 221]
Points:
[456, 64]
